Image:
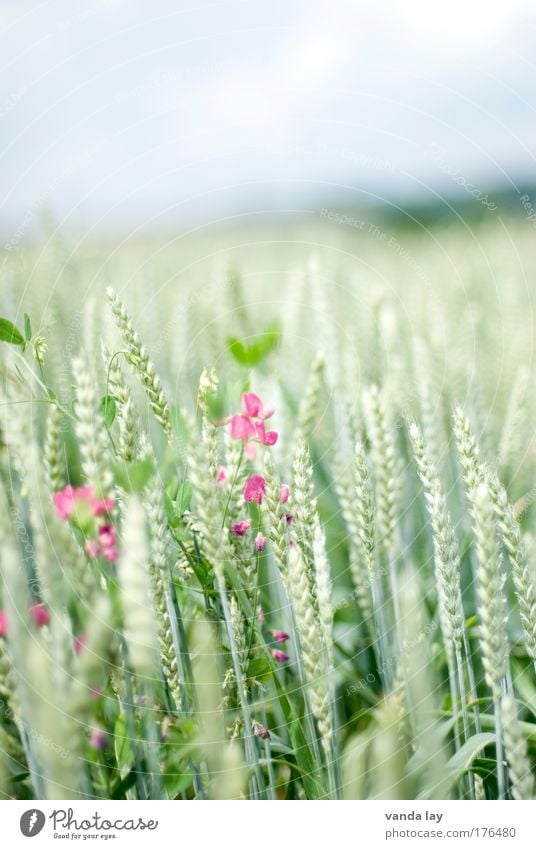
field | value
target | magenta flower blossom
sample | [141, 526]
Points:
[280, 636]
[285, 492]
[39, 614]
[102, 507]
[240, 529]
[92, 548]
[98, 739]
[105, 546]
[265, 437]
[252, 406]
[110, 554]
[254, 488]
[70, 498]
[107, 536]
[242, 428]
[3, 623]
[280, 655]
[221, 477]
[289, 517]
[260, 542]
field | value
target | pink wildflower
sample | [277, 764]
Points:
[280, 636]
[105, 546]
[285, 492]
[260, 542]
[240, 529]
[242, 428]
[39, 614]
[221, 477]
[100, 508]
[110, 554]
[265, 437]
[64, 501]
[69, 498]
[254, 489]
[280, 655]
[261, 615]
[107, 536]
[92, 548]
[252, 406]
[98, 739]
[3, 623]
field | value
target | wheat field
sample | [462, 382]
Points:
[267, 516]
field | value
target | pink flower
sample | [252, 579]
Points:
[110, 554]
[241, 428]
[105, 546]
[100, 508]
[252, 406]
[265, 437]
[280, 636]
[280, 655]
[39, 614]
[254, 488]
[285, 492]
[260, 542]
[64, 502]
[98, 739]
[221, 477]
[69, 498]
[261, 615]
[240, 529]
[92, 548]
[3, 623]
[107, 536]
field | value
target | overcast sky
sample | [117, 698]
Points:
[117, 110]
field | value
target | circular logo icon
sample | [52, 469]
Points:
[32, 822]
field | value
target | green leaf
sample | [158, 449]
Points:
[176, 782]
[169, 507]
[9, 333]
[458, 764]
[216, 406]
[125, 784]
[253, 352]
[21, 776]
[124, 752]
[132, 477]
[27, 327]
[260, 669]
[525, 685]
[109, 409]
[184, 497]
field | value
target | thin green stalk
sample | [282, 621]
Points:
[257, 783]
